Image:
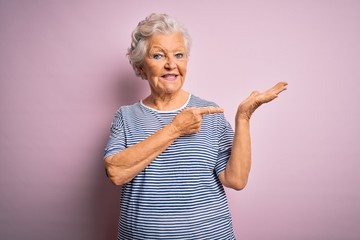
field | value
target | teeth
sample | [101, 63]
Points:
[170, 76]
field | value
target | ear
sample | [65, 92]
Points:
[141, 72]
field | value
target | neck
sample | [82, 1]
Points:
[166, 102]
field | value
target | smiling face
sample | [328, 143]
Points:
[165, 63]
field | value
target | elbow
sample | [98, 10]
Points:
[236, 184]
[116, 176]
[116, 181]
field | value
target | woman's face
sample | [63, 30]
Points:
[165, 63]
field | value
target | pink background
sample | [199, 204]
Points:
[63, 74]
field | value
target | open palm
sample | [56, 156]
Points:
[256, 99]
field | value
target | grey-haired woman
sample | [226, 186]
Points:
[172, 152]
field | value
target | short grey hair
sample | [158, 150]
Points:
[153, 24]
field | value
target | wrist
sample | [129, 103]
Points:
[242, 121]
[243, 116]
[173, 131]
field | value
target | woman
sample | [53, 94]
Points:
[173, 152]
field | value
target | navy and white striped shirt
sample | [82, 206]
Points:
[179, 195]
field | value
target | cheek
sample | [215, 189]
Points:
[153, 70]
[183, 68]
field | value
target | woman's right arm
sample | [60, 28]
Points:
[125, 165]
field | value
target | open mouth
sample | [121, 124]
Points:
[170, 77]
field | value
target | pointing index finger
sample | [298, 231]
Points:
[210, 110]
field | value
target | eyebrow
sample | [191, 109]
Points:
[159, 48]
[156, 48]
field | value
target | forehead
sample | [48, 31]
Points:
[167, 42]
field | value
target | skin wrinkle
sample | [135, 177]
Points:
[153, 70]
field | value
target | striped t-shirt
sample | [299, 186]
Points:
[179, 195]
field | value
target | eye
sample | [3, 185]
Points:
[157, 56]
[179, 55]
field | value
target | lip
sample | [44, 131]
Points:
[169, 76]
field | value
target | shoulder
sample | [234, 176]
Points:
[127, 112]
[196, 101]
[129, 109]
[218, 119]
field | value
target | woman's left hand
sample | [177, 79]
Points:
[256, 99]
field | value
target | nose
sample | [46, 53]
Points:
[170, 64]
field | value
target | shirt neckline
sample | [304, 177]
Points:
[168, 111]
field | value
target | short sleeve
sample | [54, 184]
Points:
[225, 144]
[116, 142]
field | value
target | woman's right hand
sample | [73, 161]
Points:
[126, 164]
[189, 120]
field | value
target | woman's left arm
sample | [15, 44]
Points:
[237, 169]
